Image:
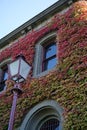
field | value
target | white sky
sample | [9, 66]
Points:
[14, 13]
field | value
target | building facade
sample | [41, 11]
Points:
[54, 96]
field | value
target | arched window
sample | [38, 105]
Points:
[44, 116]
[45, 56]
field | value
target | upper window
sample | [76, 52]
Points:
[49, 60]
[45, 56]
[3, 78]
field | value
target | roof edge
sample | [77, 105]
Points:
[4, 41]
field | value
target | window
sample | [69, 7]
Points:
[4, 73]
[47, 115]
[49, 60]
[45, 56]
[51, 124]
[3, 78]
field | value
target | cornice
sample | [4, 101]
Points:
[50, 11]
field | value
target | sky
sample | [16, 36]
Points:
[14, 13]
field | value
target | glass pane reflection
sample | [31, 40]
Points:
[50, 50]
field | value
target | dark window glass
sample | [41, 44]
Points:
[4, 76]
[52, 124]
[49, 60]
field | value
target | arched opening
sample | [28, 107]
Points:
[46, 115]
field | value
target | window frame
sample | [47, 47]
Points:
[3, 65]
[41, 112]
[38, 59]
[4, 70]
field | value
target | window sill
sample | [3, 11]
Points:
[44, 73]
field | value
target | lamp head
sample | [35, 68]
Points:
[19, 69]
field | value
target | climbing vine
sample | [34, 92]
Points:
[67, 84]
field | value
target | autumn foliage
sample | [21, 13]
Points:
[67, 84]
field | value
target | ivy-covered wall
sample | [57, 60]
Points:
[67, 84]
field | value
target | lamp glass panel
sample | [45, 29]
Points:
[20, 80]
[15, 78]
[14, 66]
[24, 69]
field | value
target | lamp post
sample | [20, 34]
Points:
[18, 71]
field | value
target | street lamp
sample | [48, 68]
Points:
[18, 71]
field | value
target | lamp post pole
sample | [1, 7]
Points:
[18, 72]
[16, 91]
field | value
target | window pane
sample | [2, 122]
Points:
[2, 86]
[52, 124]
[5, 76]
[49, 64]
[57, 128]
[50, 50]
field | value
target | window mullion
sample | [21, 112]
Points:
[49, 58]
